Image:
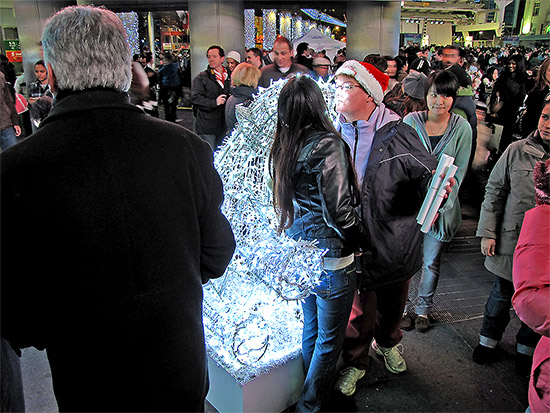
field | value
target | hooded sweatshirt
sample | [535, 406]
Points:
[364, 131]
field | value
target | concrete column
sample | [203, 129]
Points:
[214, 22]
[373, 27]
[31, 18]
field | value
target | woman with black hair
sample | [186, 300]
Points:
[441, 132]
[508, 95]
[315, 193]
[487, 83]
[535, 99]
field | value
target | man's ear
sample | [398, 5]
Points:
[52, 80]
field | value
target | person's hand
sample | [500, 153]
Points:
[449, 186]
[32, 100]
[220, 100]
[17, 130]
[488, 246]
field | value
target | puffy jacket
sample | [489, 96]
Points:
[531, 299]
[210, 117]
[323, 197]
[394, 184]
[509, 193]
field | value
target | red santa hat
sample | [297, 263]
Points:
[369, 77]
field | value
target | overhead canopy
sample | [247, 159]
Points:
[318, 41]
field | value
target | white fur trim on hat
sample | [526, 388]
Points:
[359, 72]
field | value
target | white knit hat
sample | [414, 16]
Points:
[369, 77]
[234, 55]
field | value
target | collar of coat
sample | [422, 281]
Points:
[534, 146]
[68, 101]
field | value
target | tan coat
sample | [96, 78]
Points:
[509, 193]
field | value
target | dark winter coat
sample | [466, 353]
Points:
[534, 104]
[209, 116]
[272, 72]
[239, 94]
[110, 223]
[395, 182]
[324, 200]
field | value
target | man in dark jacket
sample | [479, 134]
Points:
[283, 66]
[110, 224]
[393, 170]
[209, 92]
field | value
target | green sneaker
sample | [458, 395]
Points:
[348, 379]
[393, 359]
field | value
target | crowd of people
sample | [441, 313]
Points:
[139, 223]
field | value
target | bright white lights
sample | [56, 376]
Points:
[252, 314]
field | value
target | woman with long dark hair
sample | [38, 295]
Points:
[535, 99]
[508, 95]
[315, 193]
[441, 132]
[487, 83]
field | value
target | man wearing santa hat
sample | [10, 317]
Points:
[393, 169]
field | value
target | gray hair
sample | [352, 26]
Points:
[87, 47]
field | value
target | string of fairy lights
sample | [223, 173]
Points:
[131, 25]
[290, 25]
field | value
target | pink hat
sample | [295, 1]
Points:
[369, 77]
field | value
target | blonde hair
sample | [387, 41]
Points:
[246, 74]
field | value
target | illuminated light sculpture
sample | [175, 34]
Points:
[130, 22]
[249, 28]
[270, 27]
[252, 314]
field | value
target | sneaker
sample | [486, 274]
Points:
[348, 379]
[523, 364]
[484, 355]
[393, 359]
[422, 324]
[407, 323]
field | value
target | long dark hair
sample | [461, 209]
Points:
[301, 111]
[542, 81]
[520, 74]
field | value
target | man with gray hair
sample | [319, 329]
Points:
[110, 222]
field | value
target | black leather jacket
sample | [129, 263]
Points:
[323, 197]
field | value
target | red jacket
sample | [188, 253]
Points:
[531, 274]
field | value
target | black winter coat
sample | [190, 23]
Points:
[210, 117]
[111, 221]
[323, 197]
[394, 185]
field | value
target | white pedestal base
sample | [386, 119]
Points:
[271, 392]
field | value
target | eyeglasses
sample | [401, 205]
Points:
[346, 86]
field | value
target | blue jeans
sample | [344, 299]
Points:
[497, 317]
[326, 314]
[431, 262]
[7, 138]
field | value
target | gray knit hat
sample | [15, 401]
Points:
[414, 85]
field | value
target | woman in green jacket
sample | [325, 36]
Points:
[441, 132]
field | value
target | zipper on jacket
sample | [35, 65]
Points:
[356, 143]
